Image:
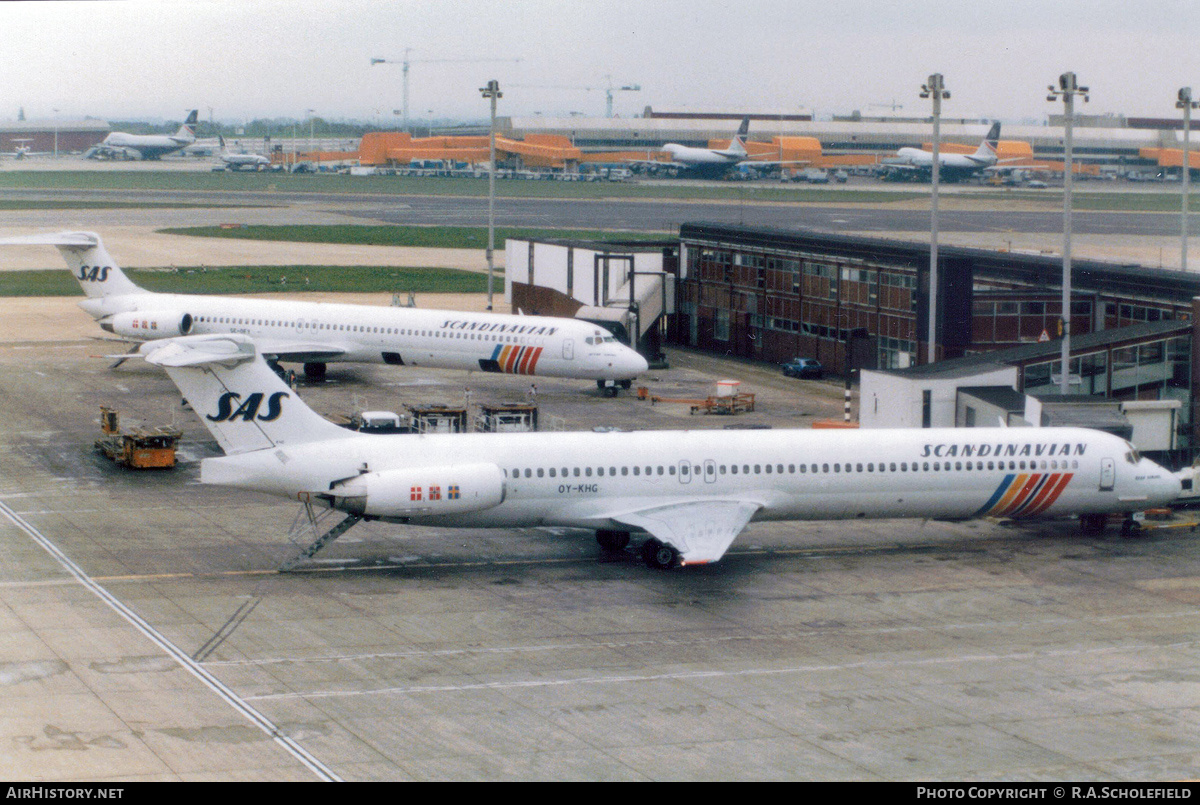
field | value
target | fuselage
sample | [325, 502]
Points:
[690, 155]
[245, 160]
[330, 332]
[587, 479]
[147, 146]
[924, 159]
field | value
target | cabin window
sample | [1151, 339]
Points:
[553, 472]
[624, 471]
[576, 472]
[671, 469]
[587, 471]
[733, 469]
[528, 473]
[768, 469]
[541, 472]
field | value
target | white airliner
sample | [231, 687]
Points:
[145, 146]
[917, 164]
[238, 161]
[715, 162]
[692, 491]
[316, 333]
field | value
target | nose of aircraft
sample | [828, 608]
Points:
[628, 363]
[1171, 487]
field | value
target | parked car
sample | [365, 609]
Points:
[806, 368]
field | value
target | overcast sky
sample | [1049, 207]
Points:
[243, 59]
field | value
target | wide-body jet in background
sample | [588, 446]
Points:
[916, 164]
[122, 145]
[715, 163]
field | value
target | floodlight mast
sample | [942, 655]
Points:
[1067, 89]
[493, 93]
[1185, 103]
[934, 88]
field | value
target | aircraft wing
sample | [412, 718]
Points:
[701, 530]
[308, 351]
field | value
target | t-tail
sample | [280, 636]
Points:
[987, 149]
[93, 267]
[236, 395]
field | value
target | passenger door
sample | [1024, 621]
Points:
[568, 349]
[1108, 474]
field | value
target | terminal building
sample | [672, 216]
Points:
[862, 304]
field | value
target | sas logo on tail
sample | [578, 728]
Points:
[93, 273]
[247, 409]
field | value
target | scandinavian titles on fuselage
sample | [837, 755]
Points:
[1001, 450]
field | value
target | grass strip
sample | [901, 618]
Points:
[261, 279]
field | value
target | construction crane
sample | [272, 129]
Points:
[608, 90]
[405, 62]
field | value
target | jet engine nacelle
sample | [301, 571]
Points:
[149, 324]
[421, 492]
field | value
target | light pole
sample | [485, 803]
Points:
[311, 116]
[1067, 89]
[492, 92]
[1185, 103]
[934, 88]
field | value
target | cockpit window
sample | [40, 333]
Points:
[1133, 457]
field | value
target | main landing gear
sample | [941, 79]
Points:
[657, 555]
[1094, 524]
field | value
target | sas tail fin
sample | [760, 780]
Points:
[236, 395]
[987, 148]
[97, 273]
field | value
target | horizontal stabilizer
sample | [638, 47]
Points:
[82, 240]
[242, 402]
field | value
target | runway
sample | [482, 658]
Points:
[610, 214]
